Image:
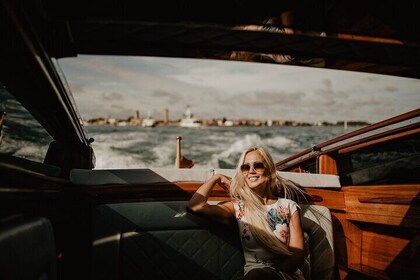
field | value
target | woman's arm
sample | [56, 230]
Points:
[223, 213]
[290, 264]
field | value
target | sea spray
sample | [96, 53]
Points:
[214, 147]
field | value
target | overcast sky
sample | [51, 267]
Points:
[117, 86]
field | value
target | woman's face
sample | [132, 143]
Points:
[254, 171]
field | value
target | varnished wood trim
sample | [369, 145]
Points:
[327, 165]
[334, 200]
[384, 123]
[147, 192]
[395, 205]
[366, 272]
[400, 200]
[347, 240]
[379, 251]
[368, 38]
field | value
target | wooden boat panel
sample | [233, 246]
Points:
[380, 250]
[327, 165]
[347, 240]
[334, 200]
[392, 205]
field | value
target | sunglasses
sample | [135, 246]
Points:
[257, 166]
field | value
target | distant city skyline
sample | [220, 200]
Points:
[105, 86]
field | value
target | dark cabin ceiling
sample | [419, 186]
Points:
[379, 37]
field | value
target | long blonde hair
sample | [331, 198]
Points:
[253, 204]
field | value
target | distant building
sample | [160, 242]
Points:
[166, 118]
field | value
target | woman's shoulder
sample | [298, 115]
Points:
[286, 200]
[288, 203]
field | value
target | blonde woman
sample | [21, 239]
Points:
[268, 220]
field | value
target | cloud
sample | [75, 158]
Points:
[76, 87]
[267, 98]
[366, 101]
[391, 89]
[112, 96]
[116, 106]
[170, 98]
[233, 89]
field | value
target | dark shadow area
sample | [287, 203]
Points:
[161, 240]
[340, 245]
[27, 248]
[405, 265]
[316, 222]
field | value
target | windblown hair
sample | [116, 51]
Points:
[253, 204]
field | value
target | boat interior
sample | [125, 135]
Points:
[63, 219]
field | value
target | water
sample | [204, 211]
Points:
[138, 147]
[216, 147]
[23, 136]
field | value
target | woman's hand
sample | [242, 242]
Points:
[224, 182]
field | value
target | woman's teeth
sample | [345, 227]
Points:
[253, 179]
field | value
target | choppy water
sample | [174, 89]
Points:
[136, 147]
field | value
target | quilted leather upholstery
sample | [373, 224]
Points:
[161, 240]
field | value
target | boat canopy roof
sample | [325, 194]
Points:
[350, 35]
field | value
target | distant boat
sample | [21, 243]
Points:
[189, 120]
[149, 122]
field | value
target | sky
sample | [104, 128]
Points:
[111, 86]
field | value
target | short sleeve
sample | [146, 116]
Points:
[291, 205]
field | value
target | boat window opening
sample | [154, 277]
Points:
[135, 107]
[308, 166]
[22, 135]
[393, 162]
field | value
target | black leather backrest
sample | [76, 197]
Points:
[27, 249]
[161, 240]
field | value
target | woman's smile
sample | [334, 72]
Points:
[254, 171]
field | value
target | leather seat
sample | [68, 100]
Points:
[27, 248]
[162, 240]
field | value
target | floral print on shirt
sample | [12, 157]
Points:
[239, 215]
[278, 219]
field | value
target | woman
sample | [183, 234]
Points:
[269, 225]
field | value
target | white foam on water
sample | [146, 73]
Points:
[114, 150]
[106, 157]
[119, 139]
[108, 150]
[233, 151]
[278, 142]
[165, 154]
[25, 149]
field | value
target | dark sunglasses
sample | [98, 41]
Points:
[257, 166]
